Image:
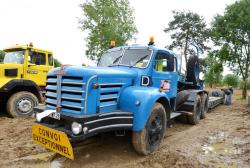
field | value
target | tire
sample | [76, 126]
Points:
[21, 104]
[204, 106]
[193, 70]
[149, 139]
[195, 119]
[181, 98]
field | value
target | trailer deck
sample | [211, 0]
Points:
[212, 103]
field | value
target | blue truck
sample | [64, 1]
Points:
[137, 88]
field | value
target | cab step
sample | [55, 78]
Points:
[178, 113]
[174, 114]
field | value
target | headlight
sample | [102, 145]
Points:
[76, 128]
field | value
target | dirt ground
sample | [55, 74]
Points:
[221, 140]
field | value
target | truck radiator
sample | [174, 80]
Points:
[67, 92]
[109, 94]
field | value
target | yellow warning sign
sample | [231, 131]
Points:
[54, 140]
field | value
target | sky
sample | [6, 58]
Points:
[53, 24]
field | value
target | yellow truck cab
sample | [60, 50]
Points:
[23, 78]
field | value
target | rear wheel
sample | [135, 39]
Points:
[21, 104]
[204, 106]
[149, 139]
[195, 118]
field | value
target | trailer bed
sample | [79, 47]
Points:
[215, 101]
[212, 102]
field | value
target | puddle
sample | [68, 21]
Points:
[221, 150]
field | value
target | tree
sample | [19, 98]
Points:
[1, 55]
[231, 80]
[213, 69]
[187, 28]
[106, 20]
[231, 32]
[57, 63]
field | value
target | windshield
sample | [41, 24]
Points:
[110, 58]
[16, 57]
[130, 57]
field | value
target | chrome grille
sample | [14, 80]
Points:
[72, 93]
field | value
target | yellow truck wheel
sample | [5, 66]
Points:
[21, 104]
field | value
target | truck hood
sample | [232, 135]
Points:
[111, 81]
[103, 72]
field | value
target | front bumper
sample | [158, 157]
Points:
[98, 123]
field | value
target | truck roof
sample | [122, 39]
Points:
[26, 47]
[141, 46]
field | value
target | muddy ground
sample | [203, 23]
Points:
[221, 140]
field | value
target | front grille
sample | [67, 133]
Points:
[109, 94]
[72, 93]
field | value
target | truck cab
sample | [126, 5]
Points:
[135, 88]
[23, 75]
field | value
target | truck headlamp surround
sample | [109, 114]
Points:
[76, 128]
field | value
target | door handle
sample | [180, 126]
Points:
[45, 71]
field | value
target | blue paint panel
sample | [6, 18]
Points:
[147, 96]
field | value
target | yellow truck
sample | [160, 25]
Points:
[23, 78]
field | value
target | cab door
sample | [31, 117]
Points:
[37, 68]
[165, 75]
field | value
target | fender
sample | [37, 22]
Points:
[25, 84]
[140, 101]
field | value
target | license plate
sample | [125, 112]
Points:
[55, 115]
[52, 139]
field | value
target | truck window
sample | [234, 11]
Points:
[110, 58]
[164, 63]
[136, 57]
[14, 56]
[50, 59]
[37, 58]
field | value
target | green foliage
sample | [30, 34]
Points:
[231, 32]
[241, 84]
[57, 63]
[1, 55]
[106, 20]
[231, 80]
[187, 28]
[213, 69]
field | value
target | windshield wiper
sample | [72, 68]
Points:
[115, 61]
[142, 58]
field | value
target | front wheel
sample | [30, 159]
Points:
[21, 104]
[149, 139]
